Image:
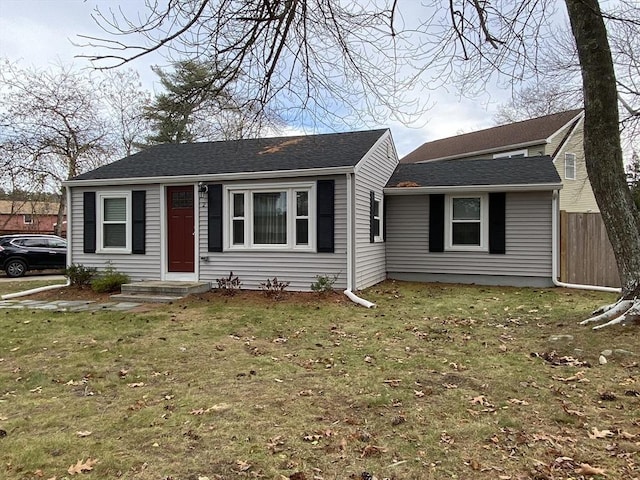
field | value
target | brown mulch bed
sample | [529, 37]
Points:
[241, 296]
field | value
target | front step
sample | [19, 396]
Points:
[157, 291]
[141, 298]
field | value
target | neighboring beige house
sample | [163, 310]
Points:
[558, 135]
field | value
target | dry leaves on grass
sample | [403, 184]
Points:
[82, 466]
[578, 377]
[220, 407]
[586, 469]
[135, 385]
[242, 465]
[83, 433]
[595, 433]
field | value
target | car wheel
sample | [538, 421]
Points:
[15, 268]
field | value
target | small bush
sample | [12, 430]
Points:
[229, 285]
[79, 275]
[324, 283]
[109, 281]
[273, 287]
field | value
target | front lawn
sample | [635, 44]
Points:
[438, 382]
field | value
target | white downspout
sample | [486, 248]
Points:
[351, 246]
[24, 293]
[555, 257]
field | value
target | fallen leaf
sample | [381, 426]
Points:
[578, 377]
[595, 433]
[372, 450]
[82, 466]
[135, 384]
[242, 465]
[515, 401]
[586, 469]
[38, 473]
[83, 433]
[418, 393]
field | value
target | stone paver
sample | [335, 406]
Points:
[68, 305]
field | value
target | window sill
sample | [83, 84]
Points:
[470, 248]
[263, 249]
[117, 251]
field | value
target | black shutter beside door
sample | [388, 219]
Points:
[214, 217]
[325, 216]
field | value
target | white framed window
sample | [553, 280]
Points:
[27, 219]
[377, 220]
[570, 166]
[270, 217]
[114, 222]
[466, 222]
[512, 154]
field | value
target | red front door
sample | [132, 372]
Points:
[180, 227]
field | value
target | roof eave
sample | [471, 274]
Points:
[527, 187]
[309, 172]
[567, 124]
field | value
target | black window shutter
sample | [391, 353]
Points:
[89, 222]
[436, 223]
[384, 219]
[497, 222]
[325, 217]
[138, 221]
[214, 197]
[372, 220]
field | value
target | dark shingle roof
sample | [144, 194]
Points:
[236, 156]
[503, 136]
[456, 173]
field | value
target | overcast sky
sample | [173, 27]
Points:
[40, 33]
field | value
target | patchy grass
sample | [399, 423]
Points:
[438, 382]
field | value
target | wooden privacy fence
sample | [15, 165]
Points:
[586, 256]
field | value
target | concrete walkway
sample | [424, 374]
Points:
[67, 305]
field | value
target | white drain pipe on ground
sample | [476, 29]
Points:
[555, 240]
[31, 291]
[350, 247]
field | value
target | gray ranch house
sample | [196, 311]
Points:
[291, 207]
[298, 207]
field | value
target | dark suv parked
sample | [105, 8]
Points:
[21, 253]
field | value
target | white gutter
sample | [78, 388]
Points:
[525, 187]
[309, 172]
[555, 239]
[351, 247]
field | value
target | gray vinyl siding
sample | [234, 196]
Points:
[372, 175]
[528, 240]
[298, 268]
[138, 267]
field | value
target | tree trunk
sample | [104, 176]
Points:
[603, 153]
[61, 216]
